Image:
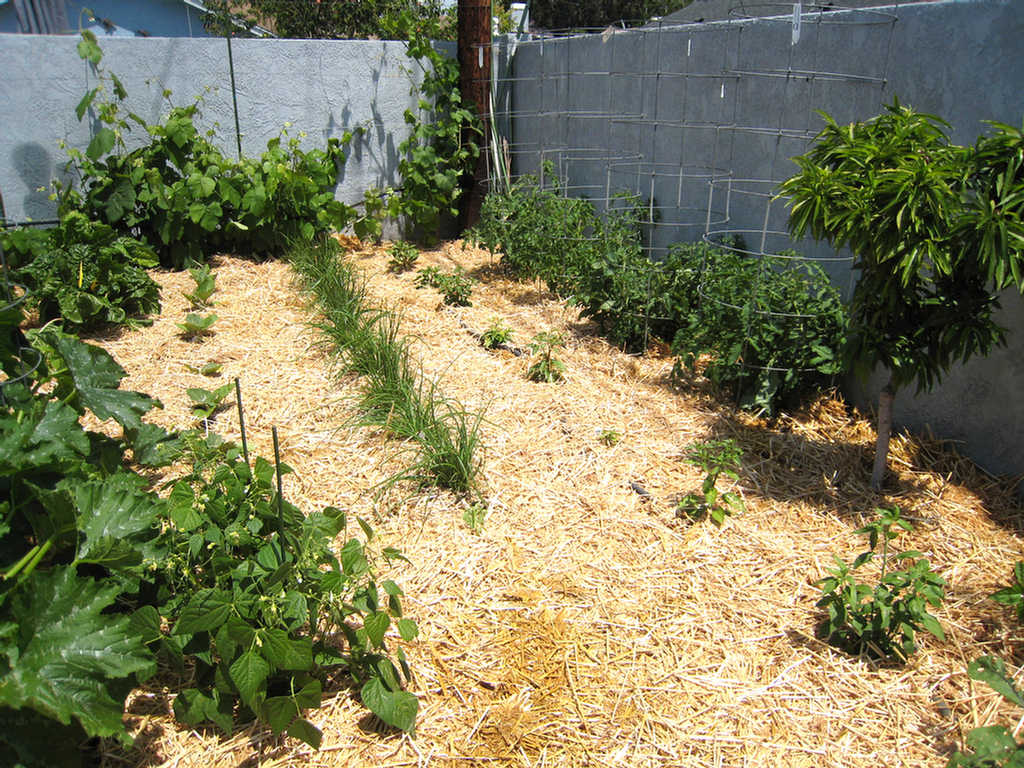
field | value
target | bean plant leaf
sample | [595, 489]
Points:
[193, 707]
[305, 731]
[205, 612]
[396, 708]
[249, 672]
[68, 652]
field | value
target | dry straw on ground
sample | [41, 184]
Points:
[586, 625]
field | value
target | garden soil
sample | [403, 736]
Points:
[585, 624]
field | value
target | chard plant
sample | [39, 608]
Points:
[197, 325]
[883, 619]
[716, 458]
[205, 280]
[936, 230]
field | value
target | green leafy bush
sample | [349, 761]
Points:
[540, 233]
[84, 272]
[180, 194]
[766, 328]
[598, 262]
[716, 457]
[255, 596]
[992, 746]
[882, 620]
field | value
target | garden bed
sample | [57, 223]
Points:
[585, 624]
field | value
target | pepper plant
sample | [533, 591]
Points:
[936, 231]
[883, 619]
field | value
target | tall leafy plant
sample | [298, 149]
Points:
[180, 194]
[442, 147]
[936, 231]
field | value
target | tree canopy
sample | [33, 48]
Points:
[333, 19]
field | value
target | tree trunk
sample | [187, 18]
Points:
[885, 398]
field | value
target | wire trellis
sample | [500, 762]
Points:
[693, 125]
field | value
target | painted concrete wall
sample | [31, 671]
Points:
[660, 110]
[321, 87]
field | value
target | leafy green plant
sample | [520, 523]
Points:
[441, 151]
[936, 231]
[993, 746]
[546, 368]
[456, 286]
[1013, 595]
[256, 598]
[205, 282]
[882, 620]
[206, 402]
[767, 329]
[74, 525]
[197, 325]
[181, 195]
[473, 516]
[496, 335]
[367, 340]
[540, 232]
[609, 437]
[716, 458]
[83, 272]
[402, 256]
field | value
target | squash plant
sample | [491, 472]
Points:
[936, 230]
[101, 577]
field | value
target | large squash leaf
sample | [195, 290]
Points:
[66, 655]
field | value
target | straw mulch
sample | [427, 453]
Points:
[586, 625]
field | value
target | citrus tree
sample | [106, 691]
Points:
[936, 231]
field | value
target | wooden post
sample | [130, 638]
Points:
[474, 43]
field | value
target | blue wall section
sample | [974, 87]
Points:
[157, 18]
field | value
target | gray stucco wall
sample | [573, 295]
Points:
[662, 109]
[321, 87]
